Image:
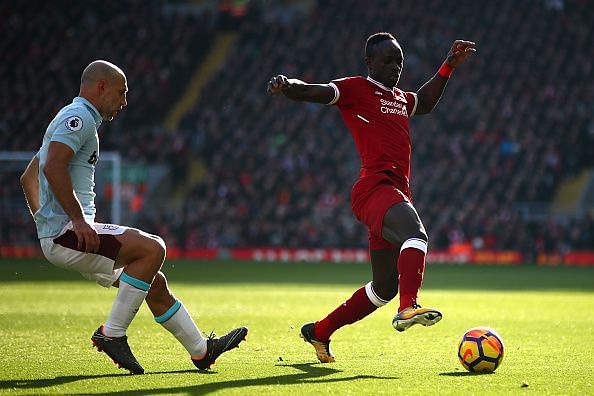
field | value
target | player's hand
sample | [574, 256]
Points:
[459, 51]
[88, 239]
[277, 84]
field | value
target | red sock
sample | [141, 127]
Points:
[411, 266]
[352, 310]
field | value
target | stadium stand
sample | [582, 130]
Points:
[513, 125]
[45, 45]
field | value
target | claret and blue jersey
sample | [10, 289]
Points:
[76, 126]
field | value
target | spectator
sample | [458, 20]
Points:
[513, 127]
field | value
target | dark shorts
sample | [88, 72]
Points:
[371, 197]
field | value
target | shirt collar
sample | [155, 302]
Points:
[379, 84]
[92, 109]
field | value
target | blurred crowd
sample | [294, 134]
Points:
[515, 120]
[45, 46]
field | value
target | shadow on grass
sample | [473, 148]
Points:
[45, 382]
[311, 373]
[462, 374]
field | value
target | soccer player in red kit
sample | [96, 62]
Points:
[376, 112]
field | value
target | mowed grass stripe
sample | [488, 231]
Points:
[45, 327]
[472, 277]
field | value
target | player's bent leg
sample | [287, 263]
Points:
[410, 312]
[141, 254]
[362, 303]
[385, 272]
[111, 337]
[411, 265]
[402, 224]
[170, 313]
[63, 251]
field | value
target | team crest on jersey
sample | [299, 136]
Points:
[74, 123]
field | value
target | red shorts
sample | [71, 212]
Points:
[371, 197]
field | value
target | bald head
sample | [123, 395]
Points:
[100, 70]
[104, 85]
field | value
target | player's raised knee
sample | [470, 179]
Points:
[161, 242]
[156, 247]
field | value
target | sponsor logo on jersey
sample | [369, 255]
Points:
[393, 107]
[93, 158]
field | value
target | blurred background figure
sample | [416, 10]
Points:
[506, 162]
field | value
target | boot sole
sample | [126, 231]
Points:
[428, 318]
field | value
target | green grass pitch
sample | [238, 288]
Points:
[544, 315]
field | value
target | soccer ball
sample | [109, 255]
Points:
[481, 350]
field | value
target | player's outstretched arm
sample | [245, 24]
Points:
[30, 185]
[429, 94]
[298, 90]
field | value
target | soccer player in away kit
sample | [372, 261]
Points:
[58, 185]
[377, 112]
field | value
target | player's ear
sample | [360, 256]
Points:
[101, 86]
[368, 62]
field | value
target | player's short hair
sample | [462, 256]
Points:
[375, 39]
[99, 69]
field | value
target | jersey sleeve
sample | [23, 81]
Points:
[411, 103]
[345, 91]
[73, 129]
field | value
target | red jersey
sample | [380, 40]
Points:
[377, 117]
